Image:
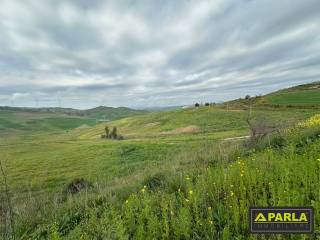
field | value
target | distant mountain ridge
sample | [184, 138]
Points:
[103, 112]
[21, 120]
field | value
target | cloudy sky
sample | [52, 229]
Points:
[85, 53]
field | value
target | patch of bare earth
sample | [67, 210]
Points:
[184, 130]
[152, 124]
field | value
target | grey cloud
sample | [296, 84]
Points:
[139, 53]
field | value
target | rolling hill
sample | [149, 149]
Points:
[302, 96]
[179, 174]
[30, 120]
[110, 113]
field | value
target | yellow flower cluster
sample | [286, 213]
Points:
[313, 121]
[143, 189]
[242, 166]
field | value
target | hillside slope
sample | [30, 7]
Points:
[207, 200]
[197, 122]
[283, 107]
[111, 113]
[171, 169]
[302, 96]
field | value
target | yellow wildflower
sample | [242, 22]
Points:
[313, 121]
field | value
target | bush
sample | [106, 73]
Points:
[120, 137]
[77, 185]
[278, 142]
[155, 181]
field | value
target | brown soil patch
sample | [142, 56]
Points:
[152, 124]
[188, 129]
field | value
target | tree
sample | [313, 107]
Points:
[113, 133]
[207, 104]
[197, 105]
[247, 97]
[107, 131]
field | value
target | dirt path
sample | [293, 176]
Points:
[235, 138]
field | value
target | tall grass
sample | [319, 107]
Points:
[207, 200]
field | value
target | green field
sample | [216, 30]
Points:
[303, 96]
[309, 97]
[180, 174]
[31, 120]
[19, 122]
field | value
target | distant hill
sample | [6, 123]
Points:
[306, 96]
[162, 109]
[21, 120]
[110, 113]
[107, 113]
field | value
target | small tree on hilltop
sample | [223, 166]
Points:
[197, 105]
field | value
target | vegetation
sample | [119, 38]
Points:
[182, 174]
[302, 96]
[111, 135]
[307, 97]
[110, 113]
[15, 121]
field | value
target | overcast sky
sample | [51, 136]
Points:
[85, 53]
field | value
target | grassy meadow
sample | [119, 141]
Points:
[302, 98]
[181, 174]
[26, 122]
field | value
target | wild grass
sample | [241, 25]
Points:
[153, 185]
[208, 200]
[307, 97]
[21, 122]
